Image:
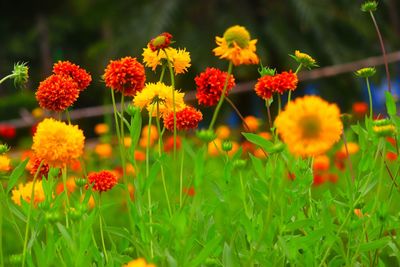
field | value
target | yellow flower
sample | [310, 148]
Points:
[24, 191]
[37, 113]
[101, 128]
[58, 143]
[305, 59]
[4, 163]
[127, 141]
[138, 263]
[309, 126]
[351, 147]
[236, 46]
[180, 59]
[252, 122]
[103, 150]
[158, 94]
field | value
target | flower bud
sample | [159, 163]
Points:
[80, 182]
[227, 146]
[369, 6]
[20, 74]
[4, 149]
[206, 135]
[132, 110]
[365, 72]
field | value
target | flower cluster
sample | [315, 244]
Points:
[179, 59]
[267, 85]
[60, 90]
[210, 84]
[125, 75]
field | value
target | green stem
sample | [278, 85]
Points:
[218, 107]
[1, 233]
[162, 73]
[147, 175]
[68, 116]
[160, 153]
[101, 231]
[64, 178]
[370, 99]
[172, 76]
[28, 220]
[181, 180]
[279, 103]
[7, 77]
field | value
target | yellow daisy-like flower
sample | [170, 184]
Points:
[158, 94]
[4, 163]
[309, 126]
[138, 263]
[24, 191]
[305, 59]
[180, 58]
[57, 143]
[237, 46]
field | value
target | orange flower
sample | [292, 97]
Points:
[321, 163]
[103, 150]
[360, 109]
[102, 181]
[71, 186]
[101, 129]
[252, 122]
[140, 155]
[79, 75]
[391, 156]
[223, 132]
[186, 119]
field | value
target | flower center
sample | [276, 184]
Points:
[237, 34]
[311, 126]
[159, 40]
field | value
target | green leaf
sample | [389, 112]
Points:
[390, 104]
[373, 245]
[209, 248]
[16, 174]
[135, 128]
[152, 175]
[258, 140]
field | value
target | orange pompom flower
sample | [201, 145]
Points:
[57, 92]
[79, 75]
[125, 75]
[102, 181]
[279, 83]
[210, 85]
[186, 119]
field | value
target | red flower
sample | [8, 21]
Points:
[125, 75]
[57, 92]
[161, 41]
[189, 191]
[186, 119]
[7, 131]
[279, 83]
[210, 84]
[79, 75]
[34, 164]
[391, 156]
[360, 109]
[169, 143]
[102, 181]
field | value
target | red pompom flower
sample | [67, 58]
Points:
[210, 84]
[57, 92]
[102, 181]
[125, 75]
[186, 119]
[279, 83]
[79, 75]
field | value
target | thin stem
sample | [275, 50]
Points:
[28, 220]
[172, 77]
[162, 73]
[238, 113]
[147, 175]
[181, 180]
[370, 99]
[68, 116]
[279, 104]
[101, 231]
[348, 157]
[160, 153]
[7, 77]
[1, 235]
[218, 107]
[269, 113]
[383, 51]
[64, 178]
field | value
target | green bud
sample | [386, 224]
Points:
[206, 135]
[239, 163]
[44, 205]
[365, 72]
[15, 259]
[52, 217]
[20, 74]
[132, 110]
[369, 6]
[381, 122]
[75, 213]
[227, 146]
[264, 71]
[4, 149]
[80, 182]
[278, 147]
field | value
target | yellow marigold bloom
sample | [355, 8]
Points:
[305, 59]
[180, 58]
[352, 148]
[127, 141]
[158, 94]
[236, 46]
[252, 122]
[138, 263]
[24, 191]
[101, 128]
[4, 163]
[309, 126]
[223, 132]
[103, 150]
[58, 143]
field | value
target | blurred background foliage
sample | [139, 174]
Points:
[91, 32]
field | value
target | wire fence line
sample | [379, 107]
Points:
[28, 120]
